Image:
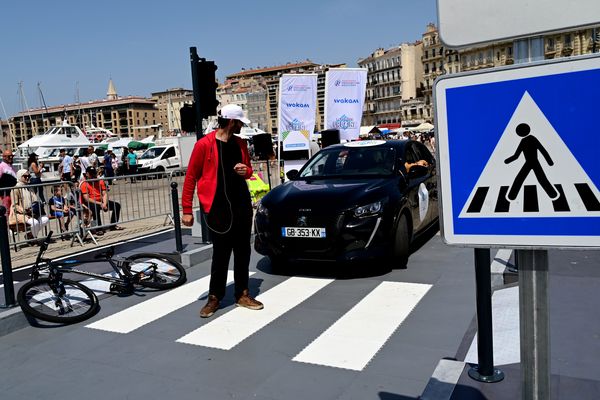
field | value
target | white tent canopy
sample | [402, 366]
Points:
[425, 126]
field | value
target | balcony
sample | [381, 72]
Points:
[567, 50]
[549, 50]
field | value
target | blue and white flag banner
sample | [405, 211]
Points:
[297, 110]
[344, 99]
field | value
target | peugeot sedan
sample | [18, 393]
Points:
[355, 201]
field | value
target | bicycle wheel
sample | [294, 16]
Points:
[42, 299]
[159, 270]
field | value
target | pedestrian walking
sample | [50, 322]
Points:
[92, 157]
[132, 164]
[65, 166]
[219, 166]
[109, 172]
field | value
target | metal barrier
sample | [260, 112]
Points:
[83, 214]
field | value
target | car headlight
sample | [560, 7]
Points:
[368, 210]
[262, 210]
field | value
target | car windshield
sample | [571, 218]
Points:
[350, 162]
[152, 153]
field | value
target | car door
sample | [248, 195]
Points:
[419, 181]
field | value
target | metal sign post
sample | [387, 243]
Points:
[484, 371]
[534, 324]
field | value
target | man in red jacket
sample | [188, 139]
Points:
[219, 167]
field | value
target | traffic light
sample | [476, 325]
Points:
[207, 85]
[188, 118]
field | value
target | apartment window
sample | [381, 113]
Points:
[550, 44]
[498, 56]
[568, 40]
[426, 53]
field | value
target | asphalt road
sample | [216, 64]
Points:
[324, 334]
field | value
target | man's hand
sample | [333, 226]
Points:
[240, 169]
[104, 207]
[188, 219]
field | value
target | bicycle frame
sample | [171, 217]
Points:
[124, 280]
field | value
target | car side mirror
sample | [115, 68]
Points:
[417, 171]
[292, 174]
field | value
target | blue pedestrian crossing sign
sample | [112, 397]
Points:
[519, 155]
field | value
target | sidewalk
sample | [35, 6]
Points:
[574, 280]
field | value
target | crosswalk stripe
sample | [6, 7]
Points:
[353, 340]
[238, 324]
[150, 310]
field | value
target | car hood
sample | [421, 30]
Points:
[327, 194]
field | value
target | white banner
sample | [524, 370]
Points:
[344, 99]
[297, 110]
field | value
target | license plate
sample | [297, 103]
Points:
[303, 232]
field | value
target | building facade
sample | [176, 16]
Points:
[168, 104]
[393, 82]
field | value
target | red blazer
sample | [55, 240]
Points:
[202, 170]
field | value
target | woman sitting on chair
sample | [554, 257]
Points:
[27, 207]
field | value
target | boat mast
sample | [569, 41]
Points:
[77, 100]
[11, 136]
[25, 107]
[42, 102]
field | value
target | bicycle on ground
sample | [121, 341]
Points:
[49, 296]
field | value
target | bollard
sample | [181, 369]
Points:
[9, 289]
[176, 218]
[485, 371]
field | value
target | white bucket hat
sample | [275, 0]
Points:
[233, 111]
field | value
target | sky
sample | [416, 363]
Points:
[76, 46]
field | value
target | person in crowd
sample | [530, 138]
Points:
[219, 166]
[132, 164]
[8, 179]
[36, 169]
[65, 166]
[109, 172]
[76, 167]
[92, 157]
[114, 162]
[124, 161]
[95, 197]
[27, 206]
[59, 208]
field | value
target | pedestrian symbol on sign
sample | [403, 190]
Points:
[530, 146]
[507, 188]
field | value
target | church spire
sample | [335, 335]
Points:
[112, 92]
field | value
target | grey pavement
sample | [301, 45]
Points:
[71, 361]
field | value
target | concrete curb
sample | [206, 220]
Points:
[13, 319]
[444, 380]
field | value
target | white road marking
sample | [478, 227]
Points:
[238, 324]
[14, 283]
[150, 310]
[353, 340]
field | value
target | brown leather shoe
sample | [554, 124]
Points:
[211, 306]
[248, 302]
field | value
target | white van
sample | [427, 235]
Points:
[168, 155]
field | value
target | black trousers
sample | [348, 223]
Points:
[236, 240]
[96, 210]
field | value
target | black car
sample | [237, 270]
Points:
[354, 201]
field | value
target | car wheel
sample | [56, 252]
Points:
[401, 249]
